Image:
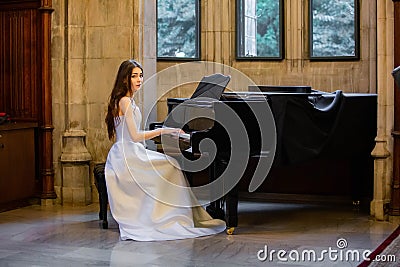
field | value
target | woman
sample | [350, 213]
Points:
[149, 197]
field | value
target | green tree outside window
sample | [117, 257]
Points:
[259, 29]
[178, 29]
[334, 29]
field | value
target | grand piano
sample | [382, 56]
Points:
[292, 139]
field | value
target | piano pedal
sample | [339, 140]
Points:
[230, 230]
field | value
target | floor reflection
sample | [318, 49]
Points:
[72, 236]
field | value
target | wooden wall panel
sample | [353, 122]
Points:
[25, 77]
[19, 66]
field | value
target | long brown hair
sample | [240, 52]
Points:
[121, 87]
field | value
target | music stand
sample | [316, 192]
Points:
[212, 86]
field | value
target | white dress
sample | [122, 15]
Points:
[148, 195]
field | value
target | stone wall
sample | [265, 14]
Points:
[89, 41]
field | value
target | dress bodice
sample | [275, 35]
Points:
[121, 128]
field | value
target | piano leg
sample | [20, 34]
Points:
[216, 208]
[231, 208]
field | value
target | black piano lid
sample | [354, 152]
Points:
[280, 88]
[247, 95]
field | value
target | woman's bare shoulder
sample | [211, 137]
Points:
[124, 103]
[125, 99]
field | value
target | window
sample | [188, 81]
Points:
[178, 29]
[259, 29]
[334, 29]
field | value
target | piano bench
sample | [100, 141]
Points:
[100, 182]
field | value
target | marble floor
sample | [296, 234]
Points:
[306, 235]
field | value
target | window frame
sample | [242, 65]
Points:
[356, 55]
[240, 32]
[197, 41]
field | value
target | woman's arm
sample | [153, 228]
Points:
[137, 135]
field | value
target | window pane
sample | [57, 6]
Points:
[178, 29]
[334, 29]
[259, 27]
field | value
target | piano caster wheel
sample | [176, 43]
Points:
[230, 230]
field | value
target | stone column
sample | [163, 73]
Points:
[75, 161]
[395, 197]
[383, 146]
[75, 158]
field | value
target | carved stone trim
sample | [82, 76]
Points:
[380, 150]
[75, 150]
